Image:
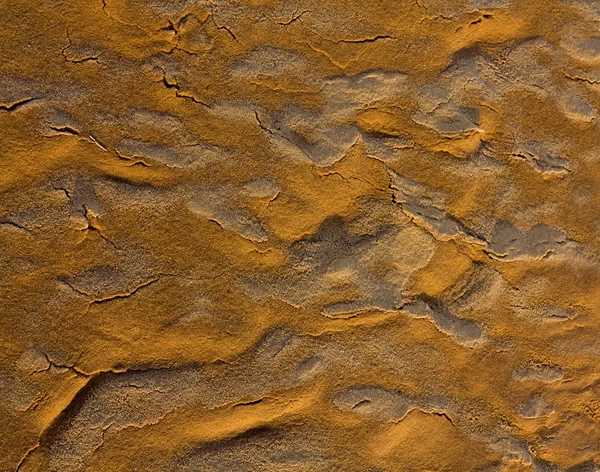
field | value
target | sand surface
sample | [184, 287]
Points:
[327, 235]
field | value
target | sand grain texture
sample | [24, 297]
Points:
[329, 235]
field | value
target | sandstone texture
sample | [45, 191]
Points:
[296, 236]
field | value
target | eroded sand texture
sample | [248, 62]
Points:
[328, 235]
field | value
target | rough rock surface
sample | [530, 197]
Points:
[310, 235]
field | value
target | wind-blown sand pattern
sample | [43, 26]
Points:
[330, 235]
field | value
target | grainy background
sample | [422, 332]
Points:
[327, 235]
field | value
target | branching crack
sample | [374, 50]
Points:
[225, 28]
[76, 61]
[71, 367]
[295, 17]
[230, 33]
[173, 84]
[331, 59]
[93, 226]
[174, 27]
[75, 289]
[279, 135]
